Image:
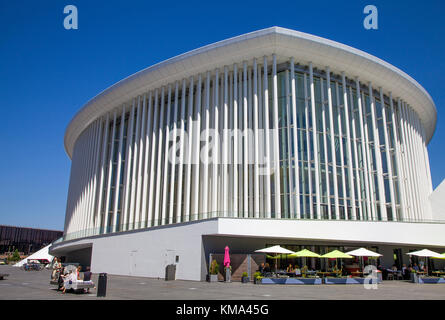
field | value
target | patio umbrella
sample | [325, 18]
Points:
[305, 253]
[275, 250]
[442, 254]
[425, 253]
[226, 257]
[362, 252]
[336, 254]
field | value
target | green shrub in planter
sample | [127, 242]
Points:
[213, 271]
[257, 277]
[245, 277]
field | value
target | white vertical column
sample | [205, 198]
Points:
[165, 195]
[97, 173]
[276, 140]
[412, 162]
[188, 154]
[225, 154]
[159, 170]
[388, 157]
[246, 142]
[418, 164]
[146, 173]
[205, 207]
[88, 185]
[235, 140]
[426, 157]
[181, 154]
[110, 169]
[289, 146]
[308, 144]
[256, 183]
[341, 148]
[173, 158]
[315, 139]
[378, 156]
[364, 153]
[398, 156]
[267, 152]
[127, 172]
[332, 139]
[215, 147]
[102, 172]
[151, 219]
[370, 164]
[139, 214]
[354, 144]
[295, 140]
[325, 143]
[132, 224]
[118, 171]
[405, 158]
[196, 150]
[348, 148]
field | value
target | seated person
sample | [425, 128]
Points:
[394, 267]
[78, 269]
[87, 277]
[304, 269]
[416, 267]
[261, 268]
[87, 274]
[267, 268]
[289, 269]
[297, 271]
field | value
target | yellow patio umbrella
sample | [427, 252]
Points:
[305, 253]
[336, 254]
[442, 258]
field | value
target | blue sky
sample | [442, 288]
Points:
[48, 73]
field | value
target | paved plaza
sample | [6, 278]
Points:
[34, 285]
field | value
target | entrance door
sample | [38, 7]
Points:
[133, 262]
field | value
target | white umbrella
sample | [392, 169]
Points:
[275, 250]
[426, 254]
[362, 252]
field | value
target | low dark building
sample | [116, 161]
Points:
[26, 240]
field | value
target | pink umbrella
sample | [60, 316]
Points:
[226, 257]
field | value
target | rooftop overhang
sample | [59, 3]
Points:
[284, 43]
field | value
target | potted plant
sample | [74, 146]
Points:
[245, 278]
[228, 274]
[257, 277]
[213, 271]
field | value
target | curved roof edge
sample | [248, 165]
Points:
[285, 43]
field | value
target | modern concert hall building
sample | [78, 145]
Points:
[272, 137]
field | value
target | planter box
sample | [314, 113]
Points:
[245, 279]
[351, 280]
[291, 281]
[212, 278]
[431, 280]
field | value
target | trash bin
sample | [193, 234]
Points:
[170, 272]
[102, 285]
